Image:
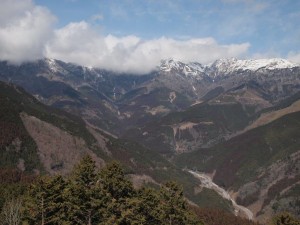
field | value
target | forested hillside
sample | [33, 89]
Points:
[261, 166]
[38, 140]
[90, 195]
[106, 196]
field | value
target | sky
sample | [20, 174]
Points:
[135, 35]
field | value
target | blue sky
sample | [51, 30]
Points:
[269, 26]
[122, 33]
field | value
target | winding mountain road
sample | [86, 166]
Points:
[207, 182]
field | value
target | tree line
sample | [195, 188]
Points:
[90, 196]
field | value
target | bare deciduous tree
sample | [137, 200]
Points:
[12, 212]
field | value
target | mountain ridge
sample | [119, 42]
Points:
[225, 66]
[117, 102]
[158, 116]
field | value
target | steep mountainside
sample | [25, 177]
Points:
[118, 102]
[39, 139]
[237, 118]
[201, 125]
[213, 121]
[260, 166]
[35, 137]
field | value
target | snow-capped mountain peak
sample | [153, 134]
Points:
[188, 69]
[52, 64]
[170, 64]
[226, 66]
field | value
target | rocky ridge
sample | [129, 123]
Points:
[118, 102]
[177, 108]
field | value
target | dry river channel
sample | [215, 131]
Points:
[207, 182]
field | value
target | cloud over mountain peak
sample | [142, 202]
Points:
[24, 30]
[27, 33]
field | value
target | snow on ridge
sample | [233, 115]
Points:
[198, 70]
[225, 66]
[56, 68]
[188, 69]
[170, 64]
[231, 65]
[52, 64]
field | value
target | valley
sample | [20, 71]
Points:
[207, 182]
[143, 112]
[238, 118]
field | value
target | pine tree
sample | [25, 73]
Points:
[174, 207]
[150, 206]
[57, 210]
[45, 203]
[114, 182]
[87, 199]
[122, 201]
[106, 197]
[284, 218]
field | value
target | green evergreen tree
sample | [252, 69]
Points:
[174, 207]
[45, 203]
[86, 197]
[284, 218]
[150, 206]
[114, 182]
[123, 201]
[106, 197]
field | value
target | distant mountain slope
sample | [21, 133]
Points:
[177, 108]
[21, 115]
[260, 166]
[13, 135]
[201, 125]
[39, 139]
[118, 102]
[64, 86]
[222, 116]
[58, 137]
[228, 66]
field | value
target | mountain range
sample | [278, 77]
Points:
[237, 120]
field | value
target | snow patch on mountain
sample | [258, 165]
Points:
[52, 65]
[190, 69]
[172, 96]
[232, 65]
[224, 66]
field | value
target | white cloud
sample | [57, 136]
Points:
[27, 33]
[97, 17]
[294, 57]
[80, 43]
[24, 30]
